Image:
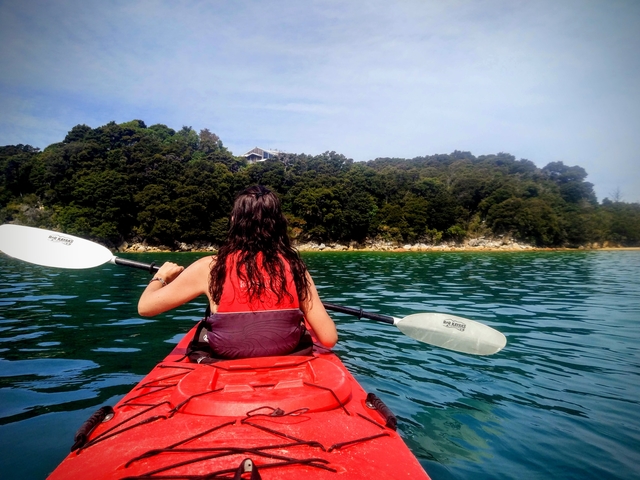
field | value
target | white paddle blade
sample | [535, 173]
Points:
[51, 249]
[453, 333]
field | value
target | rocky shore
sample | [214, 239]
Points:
[477, 244]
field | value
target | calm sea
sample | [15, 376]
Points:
[561, 401]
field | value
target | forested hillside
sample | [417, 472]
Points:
[130, 182]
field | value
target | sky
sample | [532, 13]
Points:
[543, 80]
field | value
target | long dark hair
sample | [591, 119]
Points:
[258, 226]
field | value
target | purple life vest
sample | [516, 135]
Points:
[254, 334]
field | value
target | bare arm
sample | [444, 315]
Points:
[318, 318]
[182, 286]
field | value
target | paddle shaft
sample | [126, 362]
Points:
[358, 312]
[149, 267]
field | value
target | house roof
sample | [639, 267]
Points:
[259, 151]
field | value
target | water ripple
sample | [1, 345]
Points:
[569, 372]
[561, 401]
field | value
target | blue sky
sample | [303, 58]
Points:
[544, 80]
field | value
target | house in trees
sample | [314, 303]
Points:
[259, 155]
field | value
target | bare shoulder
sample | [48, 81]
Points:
[202, 263]
[208, 261]
[200, 267]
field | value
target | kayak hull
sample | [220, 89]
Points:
[293, 416]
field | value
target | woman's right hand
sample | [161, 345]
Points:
[169, 271]
[182, 286]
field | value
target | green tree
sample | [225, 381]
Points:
[358, 212]
[391, 223]
[571, 181]
[320, 209]
[530, 220]
[156, 215]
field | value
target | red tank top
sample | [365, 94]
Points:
[235, 297]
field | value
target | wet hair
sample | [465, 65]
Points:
[258, 232]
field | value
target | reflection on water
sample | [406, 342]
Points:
[560, 401]
[551, 404]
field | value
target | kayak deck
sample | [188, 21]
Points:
[293, 416]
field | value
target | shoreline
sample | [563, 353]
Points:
[477, 245]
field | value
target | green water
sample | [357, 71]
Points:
[561, 401]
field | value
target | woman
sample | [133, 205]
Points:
[258, 287]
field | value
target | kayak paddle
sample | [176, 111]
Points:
[439, 329]
[53, 249]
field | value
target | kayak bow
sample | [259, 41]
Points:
[280, 417]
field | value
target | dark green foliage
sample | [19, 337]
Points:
[570, 181]
[16, 164]
[358, 213]
[623, 222]
[321, 211]
[531, 220]
[132, 182]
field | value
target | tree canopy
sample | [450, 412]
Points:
[130, 182]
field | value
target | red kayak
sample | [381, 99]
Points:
[260, 418]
